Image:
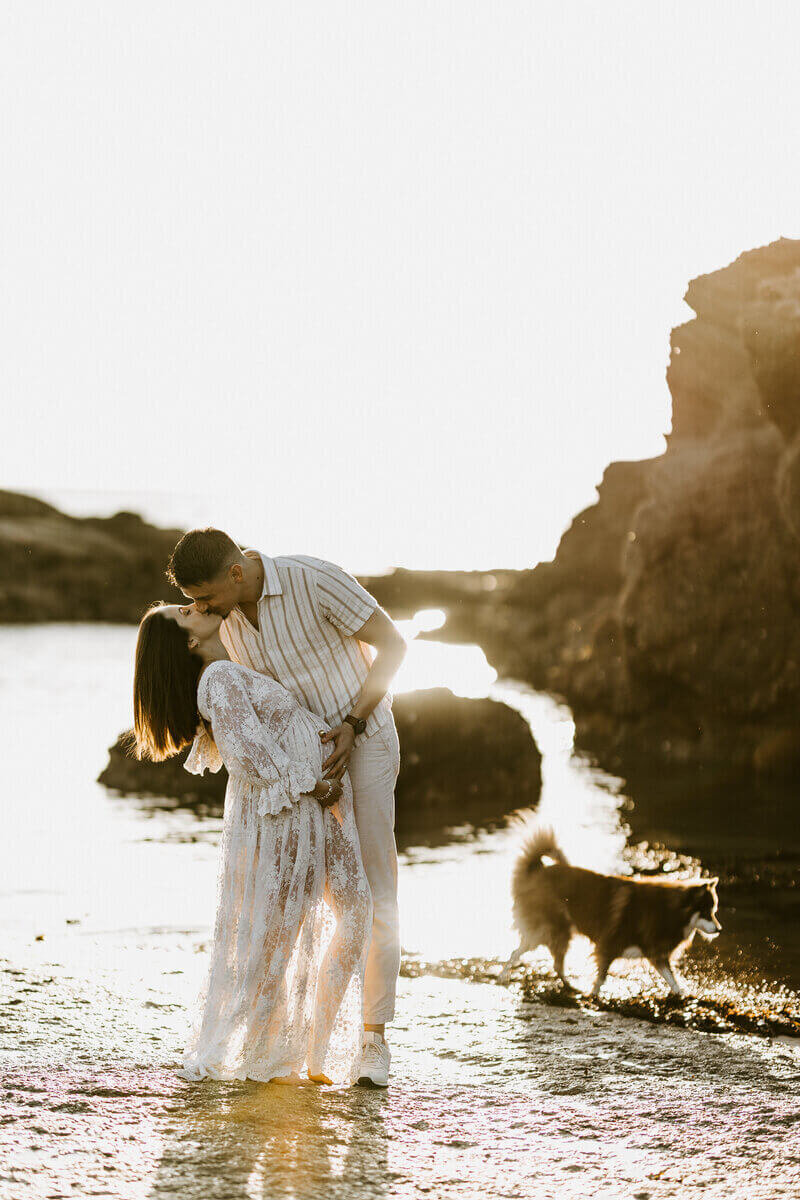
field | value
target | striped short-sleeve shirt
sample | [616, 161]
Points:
[308, 614]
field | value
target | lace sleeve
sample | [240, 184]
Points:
[204, 754]
[249, 750]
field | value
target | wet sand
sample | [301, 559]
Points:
[491, 1096]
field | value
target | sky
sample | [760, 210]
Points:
[385, 283]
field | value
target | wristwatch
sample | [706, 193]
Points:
[359, 724]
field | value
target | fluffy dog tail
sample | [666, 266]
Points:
[538, 841]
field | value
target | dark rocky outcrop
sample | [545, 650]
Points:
[403, 592]
[670, 616]
[462, 762]
[54, 567]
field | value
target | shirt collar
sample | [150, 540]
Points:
[272, 580]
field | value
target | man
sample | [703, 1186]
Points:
[309, 624]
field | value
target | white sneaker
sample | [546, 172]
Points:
[375, 1059]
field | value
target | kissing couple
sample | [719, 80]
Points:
[280, 668]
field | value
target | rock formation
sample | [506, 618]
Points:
[463, 762]
[670, 616]
[59, 568]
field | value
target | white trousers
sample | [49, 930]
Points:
[374, 765]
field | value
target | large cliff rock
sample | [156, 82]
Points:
[462, 762]
[59, 568]
[670, 616]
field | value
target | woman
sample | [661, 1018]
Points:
[280, 994]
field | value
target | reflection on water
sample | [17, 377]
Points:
[463, 669]
[105, 910]
[275, 1142]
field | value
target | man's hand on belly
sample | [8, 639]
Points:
[343, 738]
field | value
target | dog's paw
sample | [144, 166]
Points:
[509, 972]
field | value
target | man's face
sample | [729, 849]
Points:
[218, 596]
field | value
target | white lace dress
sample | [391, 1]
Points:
[294, 911]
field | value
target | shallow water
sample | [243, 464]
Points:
[105, 908]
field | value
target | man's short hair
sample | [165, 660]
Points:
[200, 555]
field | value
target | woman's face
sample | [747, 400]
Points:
[198, 625]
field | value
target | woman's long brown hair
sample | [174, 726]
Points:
[165, 715]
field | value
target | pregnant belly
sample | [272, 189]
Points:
[301, 740]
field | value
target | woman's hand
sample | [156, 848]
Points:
[328, 791]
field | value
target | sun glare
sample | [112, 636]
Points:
[463, 669]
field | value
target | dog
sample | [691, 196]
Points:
[654, 919]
